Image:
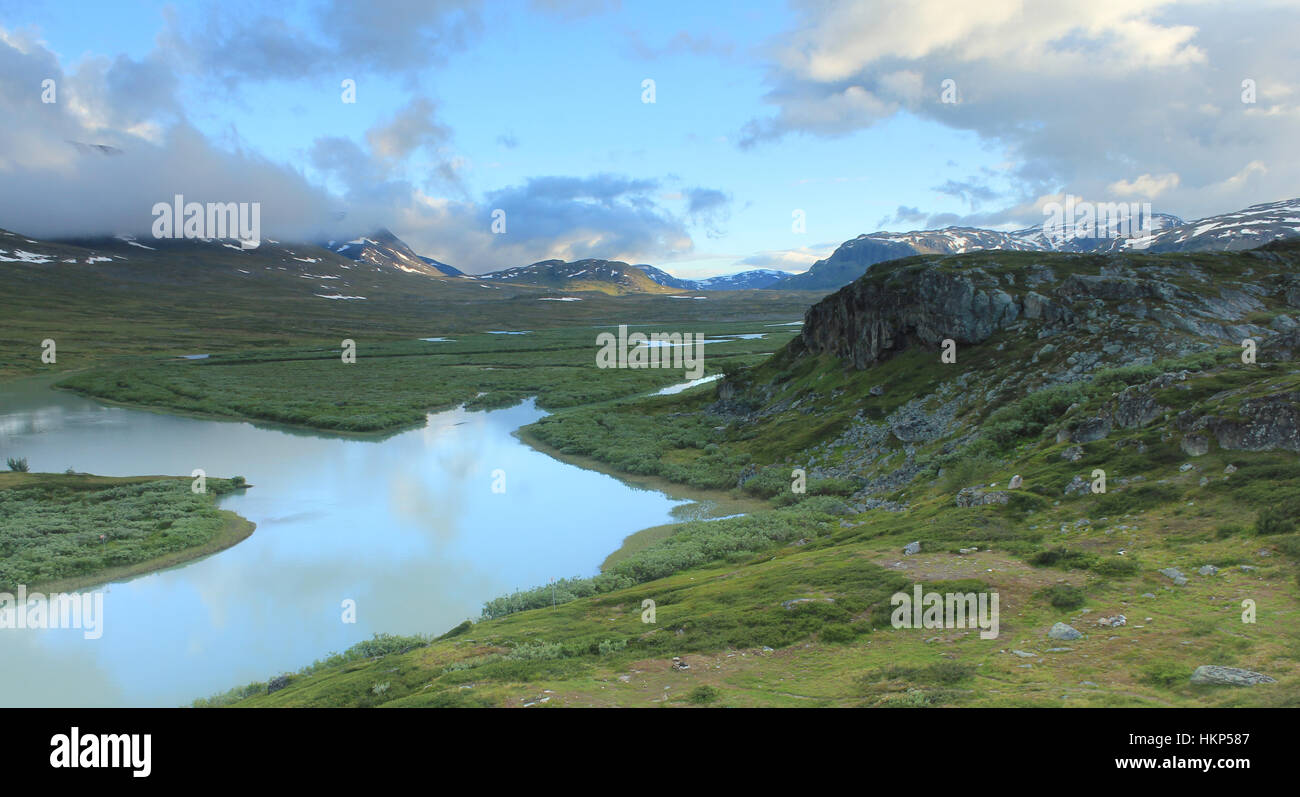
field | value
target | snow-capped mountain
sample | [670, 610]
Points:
[615, 276]
[744, 281]
[383, 249]
[1242, 229]
[608, 276]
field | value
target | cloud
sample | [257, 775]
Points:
[904, 215]
[792, 260]
[972, 191]
[395, 37]
[1098, 99]
[412, 128]
[1147, 185]
[607, 216]
[709, 208]
[56, 181]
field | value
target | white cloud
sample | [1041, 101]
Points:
[1138, 97]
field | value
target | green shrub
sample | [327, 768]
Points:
[1064, 596]
[838, 633]
[1290, 546]
[1117, 566]
[1276, 519]
[703, 695]
[1165, 674]
[1063, 558]
[18, 464]
[611, 646]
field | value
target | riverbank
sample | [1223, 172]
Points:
[705, 504]
[101, 529]
[234, 530]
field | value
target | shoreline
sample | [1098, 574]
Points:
[715, 503]
[709, 503]
[235, 530]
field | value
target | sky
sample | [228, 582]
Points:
[776, 130]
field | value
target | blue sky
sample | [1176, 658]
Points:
[760, 109]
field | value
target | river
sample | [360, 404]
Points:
[408, 527]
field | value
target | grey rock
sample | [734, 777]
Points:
[974, 496]
[1196, 445]
[1078, 486]
[912, 548]
[1063, 631]
[1208, 570]
[1175, 574]
[1229, 676]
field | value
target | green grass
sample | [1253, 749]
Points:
[51, 526]
[393, 384]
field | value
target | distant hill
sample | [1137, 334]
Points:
[382, 248]
[615, 276]
[1242, 229]
[606, 276]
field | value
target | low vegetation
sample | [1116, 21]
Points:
[66, 530]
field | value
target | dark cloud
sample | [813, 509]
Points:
[54, 188]
[972, 192]
[709, 208]
[605, 215]
[241, 42]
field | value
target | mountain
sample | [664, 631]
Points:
[746, 280]
[668, 280]
[382, 249]
[743, 281]
[606, 276]
[1243, 229]
[614, 276]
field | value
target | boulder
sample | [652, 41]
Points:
[1175, 575]
[1229, 676]
[1063, 631]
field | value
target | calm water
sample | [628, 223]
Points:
[408, 527]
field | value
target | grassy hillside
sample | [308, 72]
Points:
[788, 605]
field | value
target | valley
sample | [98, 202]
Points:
[1067, 365]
